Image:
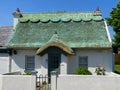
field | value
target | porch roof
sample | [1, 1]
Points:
[56, 42]
[77, 30]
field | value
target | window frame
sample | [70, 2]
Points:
[83, 63]
[29, 59]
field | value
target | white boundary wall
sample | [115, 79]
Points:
[0, 82]
[17, 82]
[87, 82]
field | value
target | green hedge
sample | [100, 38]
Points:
[117, 69]
[82, 71]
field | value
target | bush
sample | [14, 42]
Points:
[82, 71]
[117, 69]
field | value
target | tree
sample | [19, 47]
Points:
[114, 21]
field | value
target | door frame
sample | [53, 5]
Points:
[51, 52]
[52, 63]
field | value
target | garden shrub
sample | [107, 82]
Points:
[117, 69]
[82, 71]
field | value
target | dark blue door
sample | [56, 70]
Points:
[54, 63]
[54, 59]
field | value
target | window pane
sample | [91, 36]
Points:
[29, 63]
[83, 61]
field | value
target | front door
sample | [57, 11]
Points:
[54, 62]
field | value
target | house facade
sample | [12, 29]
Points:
[61, 41]
[5, 35]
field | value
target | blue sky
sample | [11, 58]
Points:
[7, 7]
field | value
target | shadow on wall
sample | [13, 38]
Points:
[18, 62]
[13, 73]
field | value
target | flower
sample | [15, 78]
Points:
[100, 70]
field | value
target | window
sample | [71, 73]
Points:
[29, 63]
[83, 61]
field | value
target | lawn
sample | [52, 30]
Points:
[117, 69]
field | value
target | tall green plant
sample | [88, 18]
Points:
[114, 21]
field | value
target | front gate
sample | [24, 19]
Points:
[42, 82]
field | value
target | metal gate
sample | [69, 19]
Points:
[42, 82]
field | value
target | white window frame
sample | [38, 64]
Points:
[29, 60]
[83, 61]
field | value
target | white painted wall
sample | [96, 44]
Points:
[63, 64]
[0, 82]
[68, 63]
[85, 82]
[4, 63]
[95, 58]
[18, 61]
[44, 65]
[15, 21]
[17, 82]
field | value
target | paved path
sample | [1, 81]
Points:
[45, 87]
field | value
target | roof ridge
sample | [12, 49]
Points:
[5, 26]
[55, 12]
[60, 16]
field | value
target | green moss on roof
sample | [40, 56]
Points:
[72, 30]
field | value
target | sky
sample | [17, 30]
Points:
[7, 7]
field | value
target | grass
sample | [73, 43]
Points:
[117, 69]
